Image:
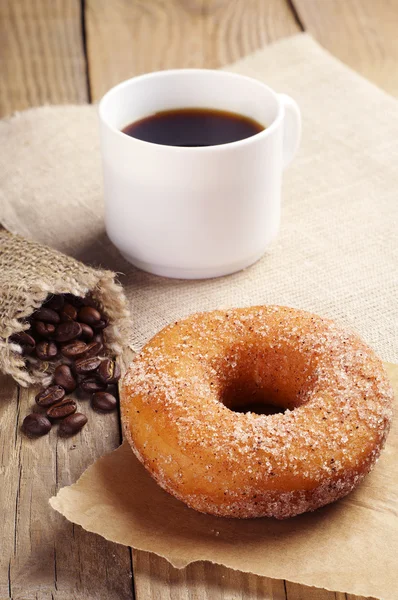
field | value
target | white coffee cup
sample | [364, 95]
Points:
[195, 212]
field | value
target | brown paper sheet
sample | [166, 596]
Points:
[350, 546]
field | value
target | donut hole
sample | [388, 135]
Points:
[240, 395]
[265, 381]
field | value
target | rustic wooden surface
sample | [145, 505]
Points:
[128, 38]
[361, 33]
[60, 51]
[41, 54]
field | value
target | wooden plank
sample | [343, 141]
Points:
[362, 33]
[157, 579]
[128, 37]
[302, 592]
[42, 54]
[43, 556]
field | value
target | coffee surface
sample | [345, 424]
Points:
[193, 127]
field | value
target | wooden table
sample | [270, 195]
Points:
[72, 51]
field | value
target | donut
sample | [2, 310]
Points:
[191, 400]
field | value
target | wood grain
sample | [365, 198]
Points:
[362, 33]
[43, 556]
[155, 578]
[42, 54]
[128, 37]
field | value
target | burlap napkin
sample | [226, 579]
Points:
[337, 251]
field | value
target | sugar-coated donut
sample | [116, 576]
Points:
[178, 393]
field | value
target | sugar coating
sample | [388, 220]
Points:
[178, 393]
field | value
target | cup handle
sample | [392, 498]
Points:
[291, 128]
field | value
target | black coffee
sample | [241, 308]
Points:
[193, 127]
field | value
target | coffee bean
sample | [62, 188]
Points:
[46, 350]
[25, 340]
[98, 337]
[47, 315]
[72, 424]
[103, 401]
[68, 313]
[89, 301]
[62, 409]
[44, 329]
[80, 394]
[113, 389]
[77, 324]
[93, 349]
[36, 424]
[73, 349]
[92, 384]
[64, 377]
[89, 315]
[101, 324]
[109, 371]
[55, 302]
[50, 395]
[85, 365]
[67, 331]
[87, 333]
[75, 300]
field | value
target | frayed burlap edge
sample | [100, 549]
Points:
[29, 273]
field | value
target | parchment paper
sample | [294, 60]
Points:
[350, 546]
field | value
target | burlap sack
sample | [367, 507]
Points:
[29, 272]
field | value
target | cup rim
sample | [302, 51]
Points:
[217, 147]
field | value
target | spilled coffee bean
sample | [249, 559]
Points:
[55, 302]
[69, 329]
[85, 365]
[26, 341]
[93, 384]
[87, 333]
[74, 349]
[89, 315]
[109, 371]
[101, 325]
[47, 315]
[93, 349]
[36, 424]
[62, 409]
[46, 330]
[50, 395]
[46, 350]
[76, 301]
[64, 377]
[68, 313]
[72, 424]
[103, 401]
